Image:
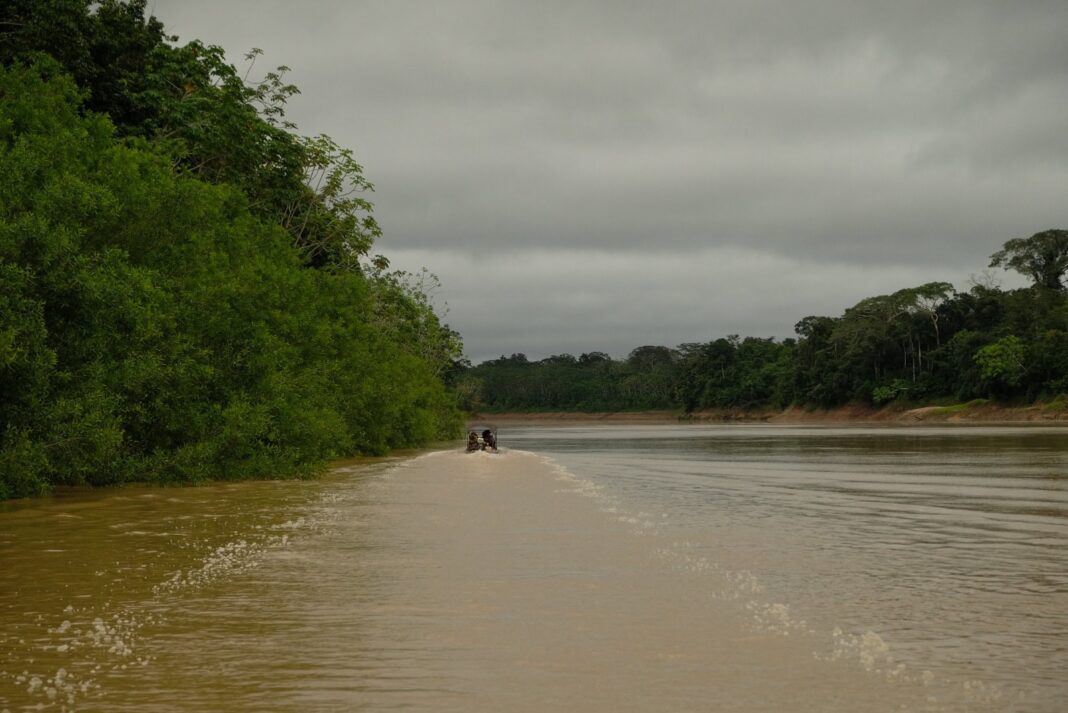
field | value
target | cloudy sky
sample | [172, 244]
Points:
[601, 175]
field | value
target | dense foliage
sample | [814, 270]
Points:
[924, 344]
[186, 290]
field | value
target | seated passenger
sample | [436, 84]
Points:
[472, 442]
[489, 440]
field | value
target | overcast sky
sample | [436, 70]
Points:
[596, 176]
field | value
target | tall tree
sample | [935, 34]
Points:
[1043, 257]
[925, 300]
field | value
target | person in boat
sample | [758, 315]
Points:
[489, 441]
[472, 442]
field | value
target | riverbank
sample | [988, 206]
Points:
[978, 411]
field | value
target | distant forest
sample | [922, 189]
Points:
[187, 288]
[921, 345]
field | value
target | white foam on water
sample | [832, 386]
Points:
[776, 618]
[983, 693]
[95, 642]
[88, 646]
[868, 650]
[240, 556]
[874, 655]
[642, 523]
[225, 561]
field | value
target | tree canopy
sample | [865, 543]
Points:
[186, 284]
[1043, 257]
[917, 345]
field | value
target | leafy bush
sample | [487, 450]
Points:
[152, 326]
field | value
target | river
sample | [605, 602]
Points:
[598, 568]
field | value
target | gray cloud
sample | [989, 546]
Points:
[543, 302]
[859, 140]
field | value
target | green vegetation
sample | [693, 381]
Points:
[186, 285]
[920, 345]
[1057, 405]
[187, 289]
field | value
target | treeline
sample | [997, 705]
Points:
[186, 284]
[919, 345]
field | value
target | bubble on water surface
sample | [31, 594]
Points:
[982, 693]
[230, 559]
[776, 618]
[873, 654]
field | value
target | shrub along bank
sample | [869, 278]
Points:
[186, 288]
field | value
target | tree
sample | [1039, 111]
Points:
[867, 336]
[106, 46]
[154, 327]
[330, 220]
[816, 366]
[593, 358]
[646, 358]
[1001, 364]
[926, 299]
[559, 360]
[1043, 257]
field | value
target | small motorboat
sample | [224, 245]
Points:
[481, 437]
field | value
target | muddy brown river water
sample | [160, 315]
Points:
[618, 568]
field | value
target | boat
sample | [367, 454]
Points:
[481, 437]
